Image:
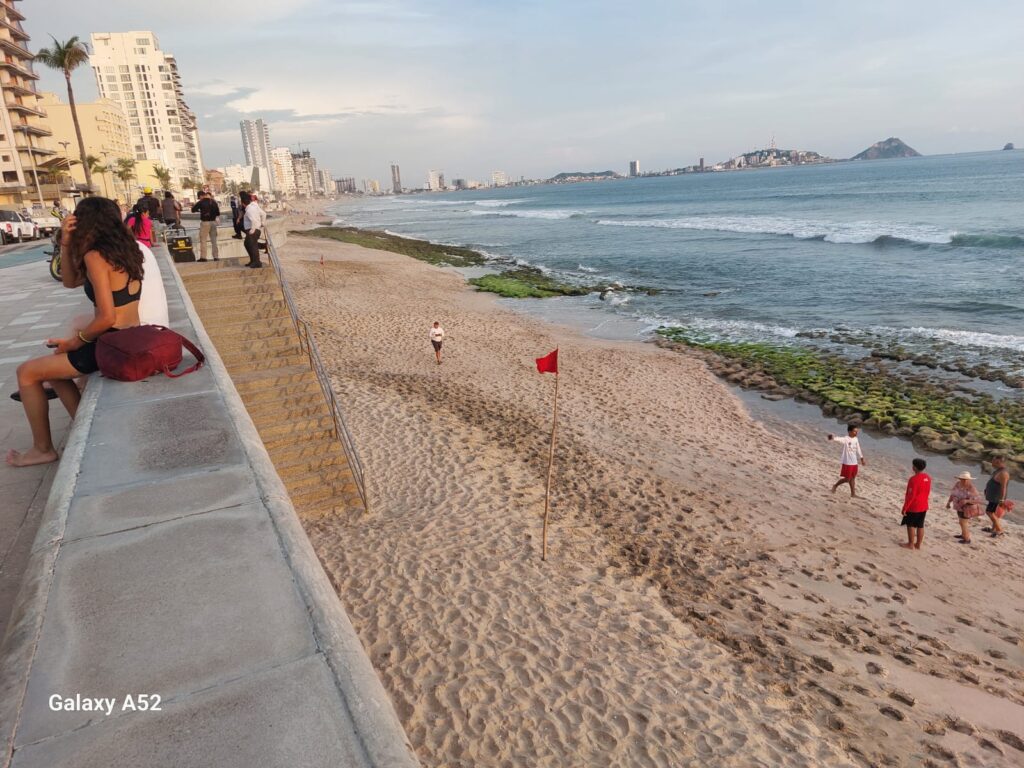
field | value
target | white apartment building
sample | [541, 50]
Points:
[434, 180]
[282, 171]
[25, 149]
[131, 69]
[499, 179]
[256, 145]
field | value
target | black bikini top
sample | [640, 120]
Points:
[122, 296]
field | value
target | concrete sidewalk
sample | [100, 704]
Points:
[33, 307]
[170, 563]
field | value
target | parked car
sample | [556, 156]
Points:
[16, 228]
[45, 221]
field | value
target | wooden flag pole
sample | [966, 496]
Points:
[551, 463]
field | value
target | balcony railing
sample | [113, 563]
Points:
[13, 47]
[35, 130]
[10, 63]
[25, 109]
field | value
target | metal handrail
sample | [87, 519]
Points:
[308, 344]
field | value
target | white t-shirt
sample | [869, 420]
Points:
[851, 450]
[437, 334]
[153, 302]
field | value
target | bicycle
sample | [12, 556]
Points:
[54, 259]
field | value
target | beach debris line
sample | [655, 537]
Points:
[549, 364]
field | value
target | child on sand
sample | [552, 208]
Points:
[851, 455]
[915, 504]
[966, 500]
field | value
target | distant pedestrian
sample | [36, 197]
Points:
[851, 458]
[209, 216]
[995, 496]
[436, 339]
[966, 500]
[141, 225]
[171, 210]
[237, 212]
[151, 204]
[253, 222]
[915, 504]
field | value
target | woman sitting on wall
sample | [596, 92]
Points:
[101, 255]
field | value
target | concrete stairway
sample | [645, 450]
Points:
[245, 314]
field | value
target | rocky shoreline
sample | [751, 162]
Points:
[939, 417]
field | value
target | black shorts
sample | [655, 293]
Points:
[991, 507]
[437, 345]
[84, 358]
[914, 519]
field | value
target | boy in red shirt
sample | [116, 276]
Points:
[915, 505]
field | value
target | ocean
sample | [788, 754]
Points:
[920, 254]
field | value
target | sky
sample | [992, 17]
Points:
[537, 87]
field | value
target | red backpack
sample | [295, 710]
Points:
[133, 354]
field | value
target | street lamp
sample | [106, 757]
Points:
[67, 160]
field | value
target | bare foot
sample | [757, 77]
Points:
[917, 546]
[907, 546]
[31, 457]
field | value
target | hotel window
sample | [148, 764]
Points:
[6, 158]
[10, 176]
[111, 78]
[124, 68]
[142, 41]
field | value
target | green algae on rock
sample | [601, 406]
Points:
[530, 283]
[432, 253]
[967, 424]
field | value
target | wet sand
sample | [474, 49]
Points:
[706, 600]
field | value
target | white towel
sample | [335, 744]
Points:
[153, 302]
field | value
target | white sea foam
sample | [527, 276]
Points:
[972, 338]
[550, 215]
[497, 203]
[585, 268]
[832, 232]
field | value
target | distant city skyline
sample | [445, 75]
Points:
[534, 90]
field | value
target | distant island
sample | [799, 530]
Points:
[572, 177]
[885, 150]
[1009, 145]
[773, 158]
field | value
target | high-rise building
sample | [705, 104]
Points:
[307, 180]
[25, 152]
[282, 170]
[256, 143]
[396, 179]
[325, 182]
[434, 180]
[499, 179]
[104, 133]
[634, 167]
[131, 69]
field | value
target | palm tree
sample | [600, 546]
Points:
[162, 175]
[187, 183]
[95, 165]
[66, 57]
[125, 172]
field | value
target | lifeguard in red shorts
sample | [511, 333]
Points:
[852, 458]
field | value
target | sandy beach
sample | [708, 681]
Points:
[706, 600]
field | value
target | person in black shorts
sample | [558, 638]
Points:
[100, 254]
[915, 504]
[436, 339]
[995, 495]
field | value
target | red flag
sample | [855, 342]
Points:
[321, 259]
[548, 363]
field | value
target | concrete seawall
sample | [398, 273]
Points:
[169, 563]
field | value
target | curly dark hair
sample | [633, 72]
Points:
[99, 228]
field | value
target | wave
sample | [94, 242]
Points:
[585, 268]
[550, 215]
[497, 203]
[972, 338]
[855, 232]
[988, 241]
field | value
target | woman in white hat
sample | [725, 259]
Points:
[966, 500]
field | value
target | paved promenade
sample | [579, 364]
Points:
[32, 308]
[173, 612]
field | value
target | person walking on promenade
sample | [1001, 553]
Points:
[252, 222]
[966, 500]
[100, 254]
[236, 217]
[171, 210]
[851, 456]
[141, 225]
[436, 339]
[915, 504]
[995, 496]
[150, 204]
[209, 214]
